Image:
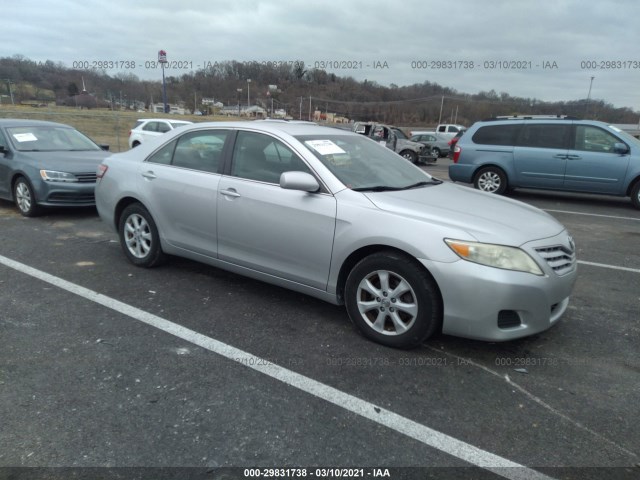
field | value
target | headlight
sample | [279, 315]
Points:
[498, 256]
[52, 176]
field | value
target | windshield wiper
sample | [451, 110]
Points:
[433, 181]
[386, 188]
[377, 188]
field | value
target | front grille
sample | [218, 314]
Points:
[86, 177]
[71, 197]
[561, 259]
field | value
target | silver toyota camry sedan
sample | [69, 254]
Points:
[332, 214]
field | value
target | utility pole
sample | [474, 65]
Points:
[441, 105]
[586, 108]
[300, 116]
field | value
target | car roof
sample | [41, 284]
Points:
[291, 128]
[21, 122]
[162, 120]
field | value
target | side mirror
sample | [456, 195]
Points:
[3, 150]
[299, 181]
[620, 148]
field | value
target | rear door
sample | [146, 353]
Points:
[592, 164]
[180, 183]
[540, 155]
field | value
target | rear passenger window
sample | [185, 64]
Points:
[164, 155]
[200, 150]
[544, 136]
[497, 135]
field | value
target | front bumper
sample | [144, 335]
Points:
[492, 304]
[61, 194]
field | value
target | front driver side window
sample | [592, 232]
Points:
[593, 139]
[263, 158]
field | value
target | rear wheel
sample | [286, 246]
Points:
[635, 195]
[393, 300]
[492, 180]
[24, 198]
[139, 236]
[435, 151]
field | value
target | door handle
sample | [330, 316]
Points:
[230, 193]
[150, 175]
[562, 156]
[574, 157]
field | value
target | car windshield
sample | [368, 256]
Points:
[49, 139]
[362, 164]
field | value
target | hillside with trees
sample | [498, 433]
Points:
[299, 91]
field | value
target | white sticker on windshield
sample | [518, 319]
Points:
[25, 137]
[325, 147]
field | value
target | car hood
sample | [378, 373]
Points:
[485, 216]
[66, 161]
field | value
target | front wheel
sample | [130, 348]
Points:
[139, 236]
[24, 198]
[492, 180]
[409, 155]
[392, 300]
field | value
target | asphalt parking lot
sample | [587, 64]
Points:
[107, 365]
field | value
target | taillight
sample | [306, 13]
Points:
[130, 132]
[456, 154]
[102, 170]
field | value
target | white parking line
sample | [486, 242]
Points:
[592, 214]
[432, 438]
[612, 267]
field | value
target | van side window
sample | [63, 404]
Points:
[544, 136]
[497, 135]
[593, 139]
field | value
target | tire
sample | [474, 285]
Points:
[435, 151]
[409, 155]
[135, 144]
[492, 180]
[635, 195]
[25, 199]
[392, 300]
[139, 237]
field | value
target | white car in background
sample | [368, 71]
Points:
[146, 128]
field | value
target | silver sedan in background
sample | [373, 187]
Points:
[332, 214]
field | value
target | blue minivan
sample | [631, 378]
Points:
[556, 153]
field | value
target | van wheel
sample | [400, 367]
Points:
[635, 195]
[492, 180]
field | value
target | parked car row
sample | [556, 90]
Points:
[322, 211]
[394, 139]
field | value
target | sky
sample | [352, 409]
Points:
[550, 50]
